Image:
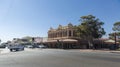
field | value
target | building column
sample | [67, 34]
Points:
[51, 35]
[62, 33]
[57, 34]
[67, 33]
[72, 33]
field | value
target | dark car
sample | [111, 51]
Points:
[2, 46]
[114, 47]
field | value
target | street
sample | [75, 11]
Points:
[59, 58]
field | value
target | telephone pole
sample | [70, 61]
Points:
[115, 38]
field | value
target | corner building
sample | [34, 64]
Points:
[64, 37]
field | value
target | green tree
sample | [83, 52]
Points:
[116, 33]
[28, 38]
[90, 28]
[116, 26]
[116, 29]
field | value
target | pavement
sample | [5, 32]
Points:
[59, 58]
[6, 50]
[118, 52]
[111, 51]
[91, 50]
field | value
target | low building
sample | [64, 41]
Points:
[26, 40]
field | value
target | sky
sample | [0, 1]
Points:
[19, 18]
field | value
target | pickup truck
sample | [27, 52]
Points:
[16, 47]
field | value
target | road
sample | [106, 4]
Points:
[59, 58]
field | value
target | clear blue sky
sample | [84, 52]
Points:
[19, 18]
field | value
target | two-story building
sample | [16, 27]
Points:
[64, 37]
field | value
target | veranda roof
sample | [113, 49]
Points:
[64, 40]
[70, 40]
[110, 41]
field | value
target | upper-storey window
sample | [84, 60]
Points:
[69, 32]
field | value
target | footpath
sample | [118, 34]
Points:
[101, 50]
[6, 50]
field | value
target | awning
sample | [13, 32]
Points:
[64, 40]
[70, 40]
[51, 41]
[110, 41]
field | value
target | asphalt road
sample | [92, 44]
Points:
[59, 58]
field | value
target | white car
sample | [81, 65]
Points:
[16, 47]
[42, 46]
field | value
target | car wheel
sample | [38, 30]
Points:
[11, 50]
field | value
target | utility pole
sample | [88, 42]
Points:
[115, 38]
[0, 41]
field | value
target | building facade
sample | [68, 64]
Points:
[61, 32]
[64, 37]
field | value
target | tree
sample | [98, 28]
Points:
[0, 40]
[90, 28]
[112, 35]
[30, 39]
[116, 33]
[116, 26]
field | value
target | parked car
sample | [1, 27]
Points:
[35, 46]
[114, 47]
[2, 46]
[42, 46]
[16, 47]
[39, 46]
[29, 46]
